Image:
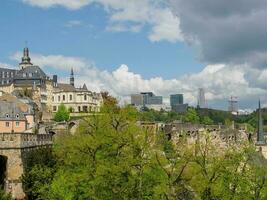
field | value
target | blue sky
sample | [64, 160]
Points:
[47, 32]
[130, 46]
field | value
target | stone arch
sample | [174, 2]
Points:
[3, 170]
[52, 133]
[71, 125]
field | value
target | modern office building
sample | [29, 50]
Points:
[176, 99]
[146, 98]
[137, 100]
[177, 103]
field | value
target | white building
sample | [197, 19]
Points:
[77, 100]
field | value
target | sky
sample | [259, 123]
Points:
[131, 46]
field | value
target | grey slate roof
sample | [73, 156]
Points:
[70, 88]
[32, 72]
[66, 87]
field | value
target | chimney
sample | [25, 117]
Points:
[55, 80]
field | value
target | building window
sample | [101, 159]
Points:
[63, 97]
[70, 97]
[53, 98]
[54, 108]
[17, 116]
[7, 115]
[85, 97]
[85, 109]
[58, 98]
[30, 74]
[17, 124]
[7, 124]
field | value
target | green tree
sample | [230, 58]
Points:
[4, 196]
[206, 120]
[191, 116]
[110, 157]
[62, 114]
[227, 122]
[38, 173]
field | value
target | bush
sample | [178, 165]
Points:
[62, 114]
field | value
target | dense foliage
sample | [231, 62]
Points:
[62, 115]
[110, 157]
[4, 196]
[203, 116]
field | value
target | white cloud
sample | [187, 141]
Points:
[5, 65]
[220, 81]
[128, 15]
[69, 4]
[58, 62]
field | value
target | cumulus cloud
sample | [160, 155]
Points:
[58, 62]
[5, 65]
[130, 15]
[220, 81]
[226, 31]
[69, 4]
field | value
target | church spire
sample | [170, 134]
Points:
[260, 133]
[25, 60]
[72, 77]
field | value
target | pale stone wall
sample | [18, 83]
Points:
[49, 89]
[7, 88]
[30, 121]
[14, 172]
[15, 147]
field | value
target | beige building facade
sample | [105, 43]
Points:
[77, 100]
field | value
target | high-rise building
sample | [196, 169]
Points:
[176, 99]
[137, 100]
[233, 104]
[146, 98]
[201, 102]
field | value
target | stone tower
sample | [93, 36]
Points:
[260, 133]
[72, 77]
[25, 60]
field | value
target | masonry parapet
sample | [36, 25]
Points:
[24, 140]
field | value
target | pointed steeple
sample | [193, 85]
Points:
[25, 60]
[84, 87]
[72, 77]
[260, 133]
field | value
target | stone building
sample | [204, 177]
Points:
[16, 116]
[75, 99]
[29, 79]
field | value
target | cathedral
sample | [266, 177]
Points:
[31, 81]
